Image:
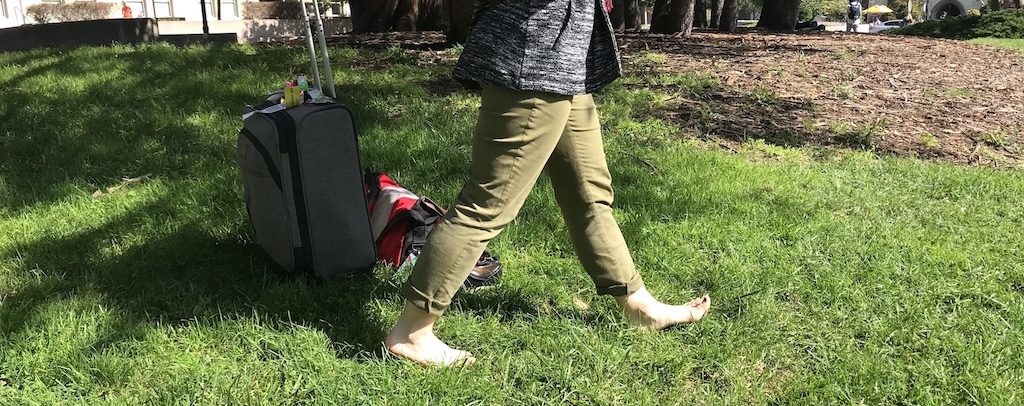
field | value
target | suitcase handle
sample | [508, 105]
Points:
[311, 48]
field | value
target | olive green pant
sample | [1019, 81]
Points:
[518, 134]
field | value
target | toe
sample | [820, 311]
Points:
[461, 359]
[698, 308]
[467, 360]
[707, 302]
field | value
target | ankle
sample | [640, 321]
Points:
[637, 301]
[413, 324]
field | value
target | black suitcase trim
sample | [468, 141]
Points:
[267, 160]
[303, 255]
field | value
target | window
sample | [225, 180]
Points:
[228, 9]
[137, 6]
[162, 8]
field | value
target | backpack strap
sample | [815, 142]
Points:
[372, 181]
[423, 216]
[431, 209]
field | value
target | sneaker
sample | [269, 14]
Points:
[486, 273]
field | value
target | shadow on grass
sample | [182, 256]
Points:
[173, 113]
[95, 115]
[111, 113]
[786, 122]
[188, 276]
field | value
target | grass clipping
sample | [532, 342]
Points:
[125, 183]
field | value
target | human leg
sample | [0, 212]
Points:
[514, 137]
[582, 184]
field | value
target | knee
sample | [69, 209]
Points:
[600, 193]
[488, 215]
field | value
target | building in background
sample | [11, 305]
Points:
[12, 12]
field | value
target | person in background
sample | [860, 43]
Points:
[538, 63]
[853, 14]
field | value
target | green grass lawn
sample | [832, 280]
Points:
[837, 278]
[1016, 44]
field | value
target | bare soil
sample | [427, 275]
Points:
[906, 96]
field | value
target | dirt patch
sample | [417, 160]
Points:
[905, 96]
[442, 86]
[414, 41]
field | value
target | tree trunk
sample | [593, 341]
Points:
[618, 14]
[676, 16]
[632, 11]
[668, 17]
[716, 13]
[460, 19]
[358, 12]
[372, 15]
[700, 14]
[779, 14]
[432, 17]
[730, 13]
[688, 16]
[407, 15]
[994, 5]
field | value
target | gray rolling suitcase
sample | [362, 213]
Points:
[303, 181]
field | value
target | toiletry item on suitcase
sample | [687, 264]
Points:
[303, 182]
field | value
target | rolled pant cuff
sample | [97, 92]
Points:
[626, 289]
[423, 301]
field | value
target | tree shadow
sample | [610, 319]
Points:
[173, 113]
[152, 111]
[738, 116]
[729, 113]
[188, 275]
[415, 41]
[138, 111]
[726, 47]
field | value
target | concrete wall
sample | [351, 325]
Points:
[255, 30]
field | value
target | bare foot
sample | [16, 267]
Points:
[645, 311]
[413, 338]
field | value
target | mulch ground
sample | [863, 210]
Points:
[928, 98]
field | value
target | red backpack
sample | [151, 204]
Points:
[401, 220]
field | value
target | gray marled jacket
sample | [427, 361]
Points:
[557, 46]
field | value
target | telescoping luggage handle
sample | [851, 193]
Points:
[317, 91]
[314, 69]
